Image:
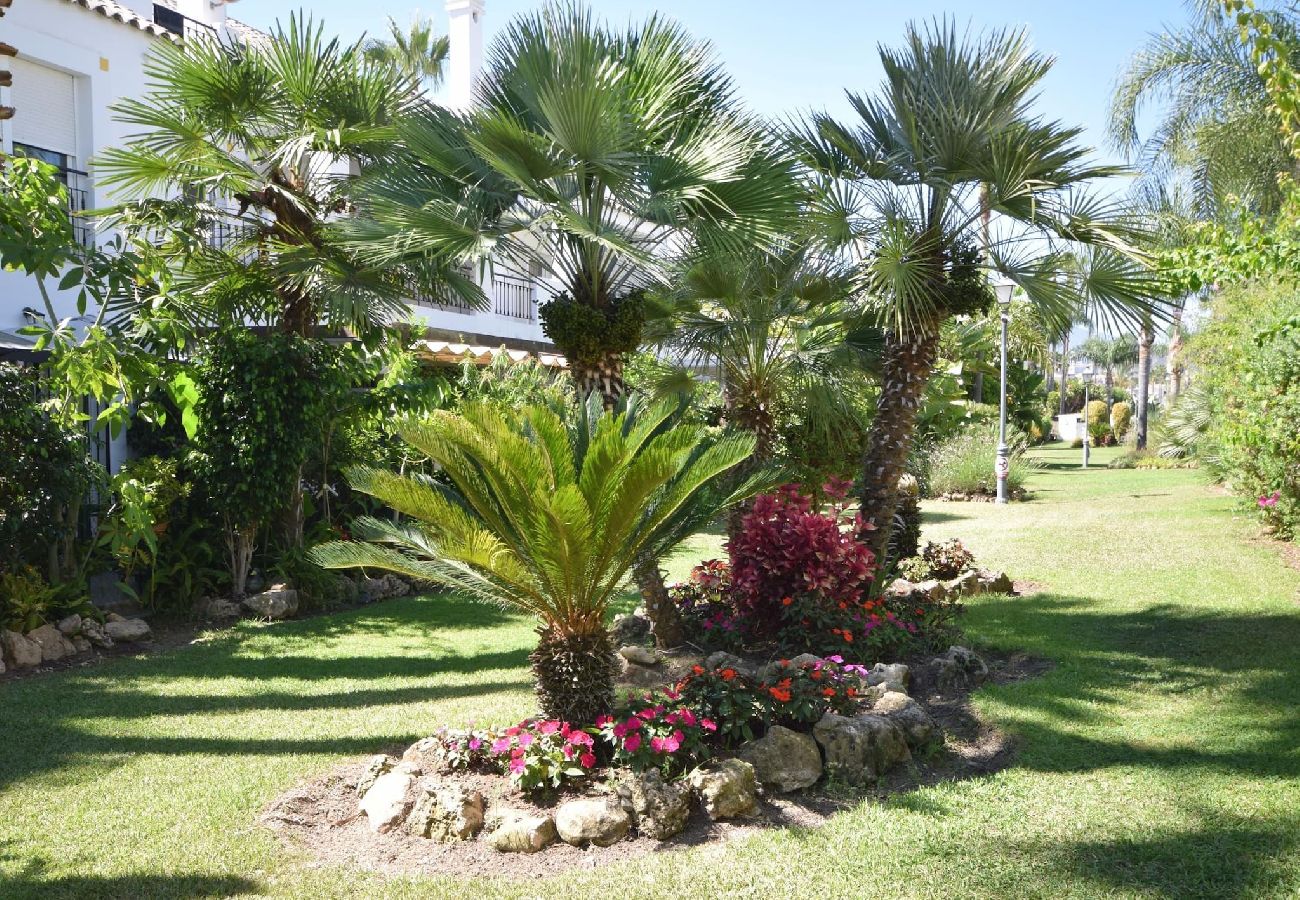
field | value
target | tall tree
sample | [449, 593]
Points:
[1215, 120]
[902, 190]
[417, 51]
[1110, 353]
[592, 156]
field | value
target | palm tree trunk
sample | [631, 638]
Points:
[1145, 340]
[659, 606]
[908, 363]
[1173, 362]
[603, 376]
[753, 416]
[575, 674]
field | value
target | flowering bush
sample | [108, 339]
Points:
[794, 696]
[786, 550]
[544, 754]
[703, 600]
[947, 560]
[657, 736]
[463, 749]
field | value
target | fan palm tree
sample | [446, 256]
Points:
[1110, 354]
[950, 134]
[256, 141]
[593, 157]
[1216, 122]
[546, 516]
[418, 51]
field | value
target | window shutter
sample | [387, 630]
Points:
[46, 107]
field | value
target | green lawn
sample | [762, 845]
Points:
[1159, 757]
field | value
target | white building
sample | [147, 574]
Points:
[76, 58]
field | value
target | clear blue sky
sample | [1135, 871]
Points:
[791, 56]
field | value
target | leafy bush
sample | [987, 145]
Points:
[26, 601]
[647, 734]
[45, 472]
[964, 464]
[1098, 422]
[941, 561]
[1121, 416]
[703, 600]
[787, 552]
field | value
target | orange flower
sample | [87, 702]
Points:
[783, 696]
[784, 684]
[843, 605]
[698, 670]
[852, 692]
[828, 692]
[728, 674]
[786, 601]
[848, 636]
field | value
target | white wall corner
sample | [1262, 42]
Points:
[465, 59]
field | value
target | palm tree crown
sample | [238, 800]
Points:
[256, 141]
[592, 156]
[417, 51]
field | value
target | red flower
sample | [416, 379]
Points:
[728, 674]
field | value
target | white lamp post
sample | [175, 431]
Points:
[1002, 468]
[1086, 375]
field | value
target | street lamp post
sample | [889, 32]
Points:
[1002, 468]
[1087, 430]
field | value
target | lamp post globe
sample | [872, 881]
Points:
[1002, 467]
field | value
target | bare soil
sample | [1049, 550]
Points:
[321, 818]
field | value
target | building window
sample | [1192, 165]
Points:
[169, 19]
[77, 183]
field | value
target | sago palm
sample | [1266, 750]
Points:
[546, 516]
[592, 156]
[952, 136]
[256, 142]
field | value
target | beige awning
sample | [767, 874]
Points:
[452, 352]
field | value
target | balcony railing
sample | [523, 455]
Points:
[511, 297]
[514, 298]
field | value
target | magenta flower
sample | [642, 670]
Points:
[708, 725]
[1270, 500]
[657, 744]
[620, 730]
[501, 745]
[633, 724]
[475, 743]
[632, 743]
[517, 764]
[688, 718]
[525, 739]
[587, 760]
[549, 727]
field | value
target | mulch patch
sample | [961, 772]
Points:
[320, 816]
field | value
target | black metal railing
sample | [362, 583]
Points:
[514, 297]
[78, 185]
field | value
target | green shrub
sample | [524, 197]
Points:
[1121, 416]
[1098, 422]
[964, 463]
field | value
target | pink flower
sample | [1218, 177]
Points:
[633, 724]
[517, 764]
[688, 718]
[549, 727]
[708, 725]
[525, 739]
[620, 730]
[587, 760]
[647, 714]
[501, 745]
[512, 730]
[1270, 500]
[569, 751]
[580, 739]
[475, 743]
[632, 743]
[657, 744]
[604, 720]
[671, 718]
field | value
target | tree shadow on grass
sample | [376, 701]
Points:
[30, 881]
[932, 516]
[53, 722]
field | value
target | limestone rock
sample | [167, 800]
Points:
[383, 588]
[126, 630]
[721, 659]
[20, 652]
[642, 656]
[375, 766]
[598, 822]
[54, 645]
[967, 584]
[784, 760]
[518, 832]
[659, 808]
[958, 669]
[727, 788]
[995, 582]
[446, 812]
[385, 802]
[932, 590]
[918, 728]
[81, 644]
[70, 625]
[279, 602]
[114, 617]
[630, 629]
[424, 756]
[212, 608]
[900, 587]
[861, 748]
[894, 676]
[94, 632]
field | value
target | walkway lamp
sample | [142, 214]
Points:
[1086, 375]
[1002, 468]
